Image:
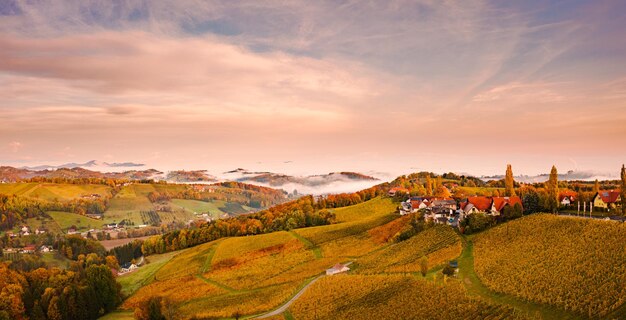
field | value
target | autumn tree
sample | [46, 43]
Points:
[596, 187]
[429, 186]
[623, 190]
[552, 186]
[424, 266]
[509, 183]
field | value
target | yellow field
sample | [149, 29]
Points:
[572, 263]
[392, 297]
[440, 244]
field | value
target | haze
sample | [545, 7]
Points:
[313, 87]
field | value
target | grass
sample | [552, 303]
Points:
[55, 260]
[146, 274]
[66, 219]
[53, 191]
[317, 251]
[118, 315]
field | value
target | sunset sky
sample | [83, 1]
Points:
[314, 86]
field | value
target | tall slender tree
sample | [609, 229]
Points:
[552, 186]
[429, 186]
[623, 190]
[596, 187]
[509, 183]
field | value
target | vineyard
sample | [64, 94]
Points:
[392, 297]
[439, 244]
[574, 264]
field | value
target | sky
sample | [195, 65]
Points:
[315, 86]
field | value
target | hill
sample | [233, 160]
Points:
[571, 263]
[254, 274]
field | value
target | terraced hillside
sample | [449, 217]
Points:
[255, 274]
[574, 264]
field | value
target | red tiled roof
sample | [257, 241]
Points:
[609, 196]
[481, 203]
[396, 189]
[501, 202]
[568, 194]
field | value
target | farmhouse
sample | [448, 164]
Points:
[338, 268]
[44, 248]
[566, 198]
[607, 199]
[29, 249]
[127, 267]
[392, 192]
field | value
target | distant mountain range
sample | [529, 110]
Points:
[314, 184]
[88, 164]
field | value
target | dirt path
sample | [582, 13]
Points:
[284, 307]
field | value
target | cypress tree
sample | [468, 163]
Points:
[552, 186]
[509, 183]
[596, 187]
[623, 190]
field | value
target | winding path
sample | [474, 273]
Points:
[284, 307]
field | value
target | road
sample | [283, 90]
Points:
[284, 307]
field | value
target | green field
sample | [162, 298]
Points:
[53, 191]
[145, 275]
[66, 219]
[216, 209]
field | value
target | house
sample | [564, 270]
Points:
[72, 230]
[566, 198]
[476, 204]
[45, 248]
[25, 229]
[443, 203]
[127, 267]
[489, 205]
[29, 249]
[499, 203]
[338, 268]
[392, 192]
[607, 199]
[40, 231]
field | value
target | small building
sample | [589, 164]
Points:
[392, 192]
[338, 268]
[566, 198]
[29, 249]
[40, 231]
[607, 199]
[45, 249]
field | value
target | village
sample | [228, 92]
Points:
[446, 210]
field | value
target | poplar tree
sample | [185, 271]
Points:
[429, 186]
[509, 183]
[552, 186]
[596, 187]
[623, 190]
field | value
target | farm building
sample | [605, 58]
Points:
[338, 268]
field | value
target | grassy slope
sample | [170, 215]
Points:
[66, 219]
[269, 267]
[145, 275]
[53, 191]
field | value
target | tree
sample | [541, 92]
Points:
[429, 186]
[623, 190]
[424, 266]
[509, 183]
[596, 187]
[448, 270]
[552, 186]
